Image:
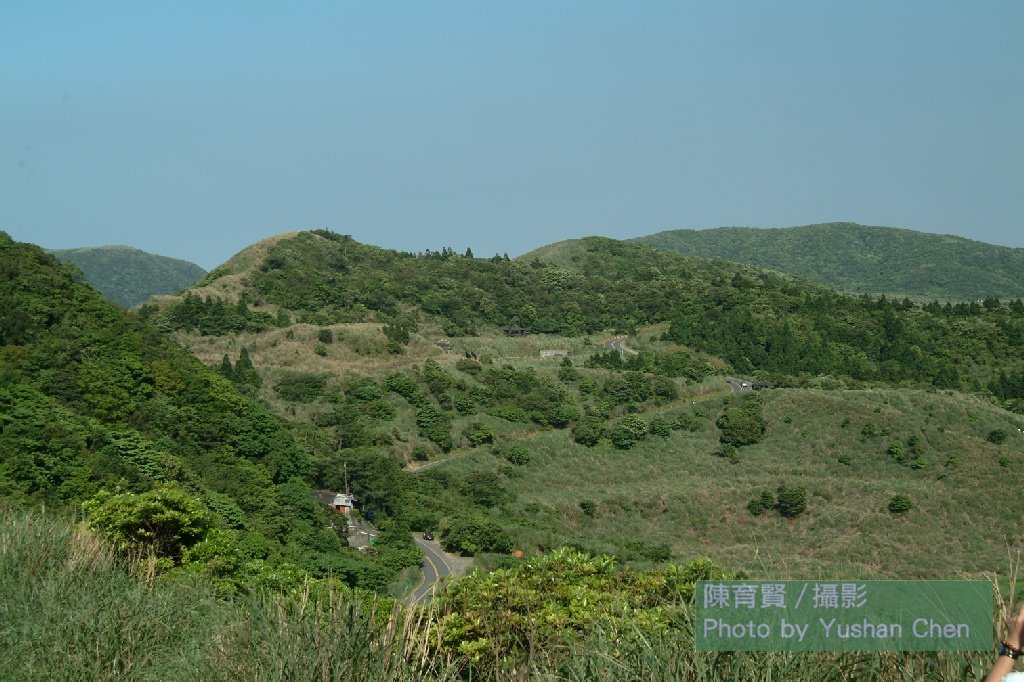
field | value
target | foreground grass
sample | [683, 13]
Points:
[70, 611]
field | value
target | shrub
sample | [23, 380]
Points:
[588, 431]
[517, 454]
[478, 434]
[167, 520]
[899, 504]
[759, 505]
[325, 336]
[588, 507]
[844, 459]
[660, 426]
[421, 453]
[743, 424]
[626, 432]
[469, 535]
[468, 366]
[792, 500]
[997, 436]
[320, 350]
[299, 387]
[728, 452]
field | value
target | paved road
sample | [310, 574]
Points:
[737, 385]
[435, 567]
[620, 345]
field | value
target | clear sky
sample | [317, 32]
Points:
[193, 129]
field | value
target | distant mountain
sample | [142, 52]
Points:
[860, 259]
[129, 276]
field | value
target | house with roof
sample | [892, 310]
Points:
[340, 502]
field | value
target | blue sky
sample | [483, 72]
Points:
[193, 129]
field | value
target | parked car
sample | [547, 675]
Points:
[428, 536]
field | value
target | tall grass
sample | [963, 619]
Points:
[70, 609]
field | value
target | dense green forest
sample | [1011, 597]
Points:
[861, 259]
[129, 276]
[98, 410]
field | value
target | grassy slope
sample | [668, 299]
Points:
[861, 259]
[673, 490]
[129, 276]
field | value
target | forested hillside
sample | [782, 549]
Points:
[98, 410]
[129, 276]
[861, 259]
[386, 361]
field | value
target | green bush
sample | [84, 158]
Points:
[997, 436]
[626, 432]
[588, 431]
[588, 507]
[515, 454]
[469, 366]
[792, 500]
[471, 534]
[325, 336]
[166, 520]
[742, 424]
[300, 387]
[764, 502]
[660, 426]
[478, 434]
[900, 504]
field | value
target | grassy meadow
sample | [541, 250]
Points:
[675, 491]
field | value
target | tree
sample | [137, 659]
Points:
[792, 500]
[588, 431]
[743, 424]
[627, 431]
[167, 520]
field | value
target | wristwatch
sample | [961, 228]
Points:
[1007, 649]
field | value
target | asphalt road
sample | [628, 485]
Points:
[620, 345]
[736, 385]
[435, 567]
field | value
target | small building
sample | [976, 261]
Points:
[555, 353]
[340, 502]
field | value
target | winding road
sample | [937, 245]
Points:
[437, 564]
[619, 344]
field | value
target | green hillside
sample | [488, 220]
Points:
[129, 276]
[861, 259]
[479, 399]
[101, 412]
[389, 360]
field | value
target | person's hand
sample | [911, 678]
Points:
[1015, 634]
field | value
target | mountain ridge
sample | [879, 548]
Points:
[863, 259]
